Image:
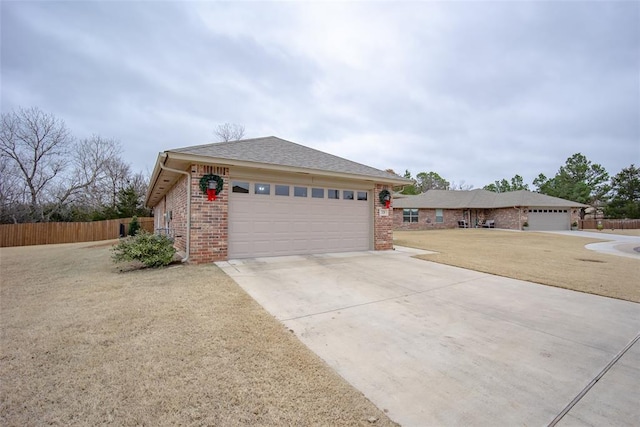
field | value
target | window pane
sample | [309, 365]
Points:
[406, 215]
[239, 187]
[262, 188]
[282, 190]
[300, 191]
[362, 195]
[317, 193]
[347, 195]
[333, 194]
[439, 215]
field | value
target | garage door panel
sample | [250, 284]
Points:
[549, 219]
[262, 225]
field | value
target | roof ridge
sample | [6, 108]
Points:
[209, 144]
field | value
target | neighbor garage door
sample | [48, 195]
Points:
[274, 219]
[549, 219]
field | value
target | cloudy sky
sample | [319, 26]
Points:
[475, 91]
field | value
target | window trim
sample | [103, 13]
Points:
[282, 186]
[233, 187]
[266, 185]
[410, 215]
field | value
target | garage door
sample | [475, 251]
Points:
[271, 219]
[549, 219]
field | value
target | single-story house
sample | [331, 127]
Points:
[437, 209]
[268, 197]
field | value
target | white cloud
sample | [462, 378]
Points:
[474, 91]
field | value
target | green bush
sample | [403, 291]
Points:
[150, 249]
[134, 226]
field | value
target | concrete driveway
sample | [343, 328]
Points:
[615, 244]
[439, 345]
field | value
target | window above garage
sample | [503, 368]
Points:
[297, 191]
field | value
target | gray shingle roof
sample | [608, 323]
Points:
[275, 151]
[480, 199]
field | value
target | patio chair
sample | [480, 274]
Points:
[490, 223]
[463, 224]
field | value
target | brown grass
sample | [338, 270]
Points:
[84, 344]
[549, 259]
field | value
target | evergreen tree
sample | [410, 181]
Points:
[625, 202]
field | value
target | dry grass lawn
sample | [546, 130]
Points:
[83, 343]
[549, 259]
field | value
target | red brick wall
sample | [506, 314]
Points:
[209, 219]
[176, 206]
[507, 218]
[382, 225]
[427, 219]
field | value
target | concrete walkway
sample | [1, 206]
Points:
[616, 244]
[440, 345]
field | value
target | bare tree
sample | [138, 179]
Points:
[461, 186]
[37, 144]
[89, 160]
[13, 208]
[97, 163]
[229, 132]
[53, 170]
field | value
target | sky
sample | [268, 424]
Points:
[475, 91]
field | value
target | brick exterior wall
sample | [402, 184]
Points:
[427, 220]
[382, 225]
[175, 205]
[505, 218]
[209, 219]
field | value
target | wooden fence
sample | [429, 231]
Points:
[46, 233]
[617, 224]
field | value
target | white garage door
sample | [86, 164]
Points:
[269, 219]
[549, 219]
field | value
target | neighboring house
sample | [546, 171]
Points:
[438, 209]
[277, 198]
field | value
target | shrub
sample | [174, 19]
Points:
[134, 226]
[150, 249]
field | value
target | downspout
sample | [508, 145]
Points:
[188, 175]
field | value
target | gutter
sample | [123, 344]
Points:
[165, 156]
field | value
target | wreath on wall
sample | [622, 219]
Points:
[385, 198]
[204, 185]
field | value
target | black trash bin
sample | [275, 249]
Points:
[122, 232]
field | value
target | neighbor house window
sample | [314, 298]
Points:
[409, 215]
[347, 195]
[439, 215]
[317, 193]
[282, 190]
[262, 188]
[239, 187]
[362, 195]
[300, 191]
[333, 194]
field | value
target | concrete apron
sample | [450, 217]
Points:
[438, 345]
